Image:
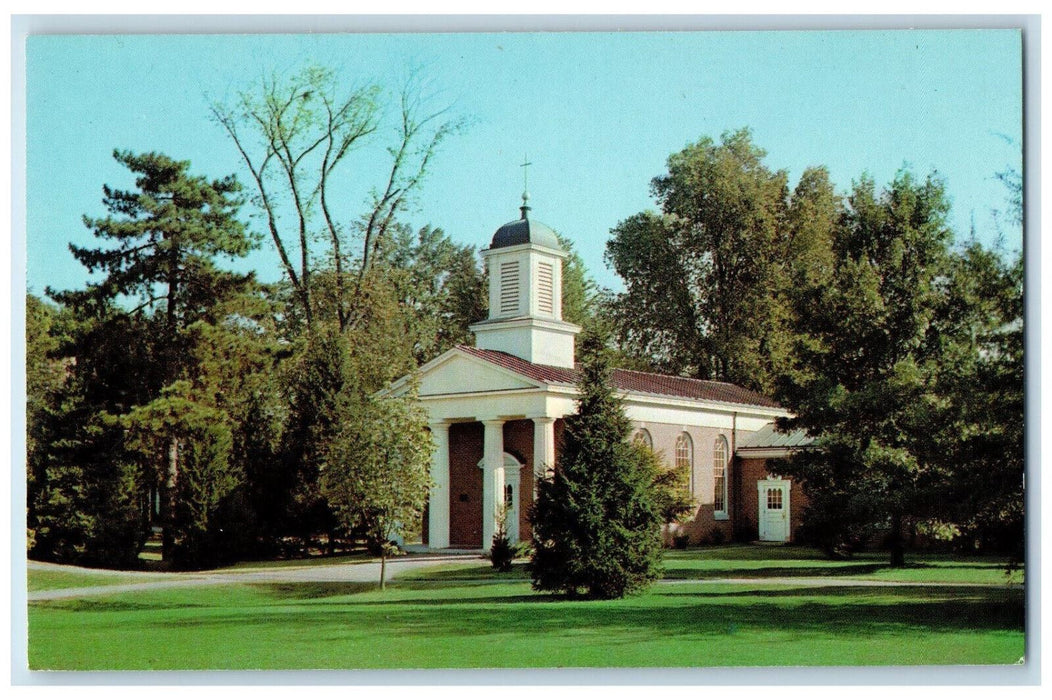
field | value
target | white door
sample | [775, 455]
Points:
[774, 510]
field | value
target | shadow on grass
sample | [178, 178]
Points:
[673, 572]
[88, 605]
[847, 611]
[312, 591]
[517, 573]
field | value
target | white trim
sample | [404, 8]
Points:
[487, 252]
[447, 356]
[765, 452]
[748, 410]
[503, 322]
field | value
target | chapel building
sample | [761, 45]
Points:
[496, 414]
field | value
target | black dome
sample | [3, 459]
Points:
[525, 231]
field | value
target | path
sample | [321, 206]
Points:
[358, 572]
[368, 572]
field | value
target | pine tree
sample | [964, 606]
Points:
[595, 523]
[162, 241]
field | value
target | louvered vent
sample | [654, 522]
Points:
[509, 287]
[545, 288]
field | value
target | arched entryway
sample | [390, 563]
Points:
[511, 497]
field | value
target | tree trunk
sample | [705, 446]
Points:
[383, 567]
[171, 481]
[895, 543]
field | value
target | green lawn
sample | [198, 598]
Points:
[53, 579]
[748, 561]
[448, 623]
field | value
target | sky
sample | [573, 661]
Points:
[597, 115]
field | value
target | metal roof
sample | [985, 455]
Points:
[769, 437]
[631, 381]
[525, 231]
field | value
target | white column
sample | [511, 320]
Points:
[438, 503]
[543, 448]
[492, 478]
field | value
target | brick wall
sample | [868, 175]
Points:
[465, 485]
[752, 471]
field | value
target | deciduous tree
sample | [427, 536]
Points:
[700, 276]
[376, 469]
[295, 136]
[869, 394]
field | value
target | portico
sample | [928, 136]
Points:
[507, 475]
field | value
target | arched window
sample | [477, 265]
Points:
[642, 437]
[685, 457]
[719, 476]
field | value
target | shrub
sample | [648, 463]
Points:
[501, 552]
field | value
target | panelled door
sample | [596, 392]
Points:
[774, 522]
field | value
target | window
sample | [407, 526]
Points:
[545, 288]
[719, 476]
[509, 287]
[642, 437]
[685, 457]
[774, 499]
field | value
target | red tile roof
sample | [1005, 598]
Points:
[628, 380]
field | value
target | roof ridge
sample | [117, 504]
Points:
[679, 376]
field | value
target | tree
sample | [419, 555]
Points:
[579, 290]
[671, 486]
[87, 500]
[438, 285]
[700, 276]
[595, 522]
[294, 136]
[197, 439]
[45, 379]
[376, 470]
[871, 357]
[977, 431]
[167, 235]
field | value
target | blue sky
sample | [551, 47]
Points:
[597, 114]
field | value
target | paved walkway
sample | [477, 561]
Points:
[368, 572]
[358, 572]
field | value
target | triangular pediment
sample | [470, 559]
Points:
[456, 372]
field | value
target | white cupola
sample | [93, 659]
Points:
[525, 267]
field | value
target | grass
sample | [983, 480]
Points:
[468, 616]
[745, 561]
[54, 579]
[438, 625]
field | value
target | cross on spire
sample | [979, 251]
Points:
[525, 188]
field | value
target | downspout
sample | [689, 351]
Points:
[736, 482]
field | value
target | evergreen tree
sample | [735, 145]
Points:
[595, 522]
[88, 501]
[165, 237]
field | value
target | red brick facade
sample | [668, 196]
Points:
[750, 471]
[465, 498]
[465, 478]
